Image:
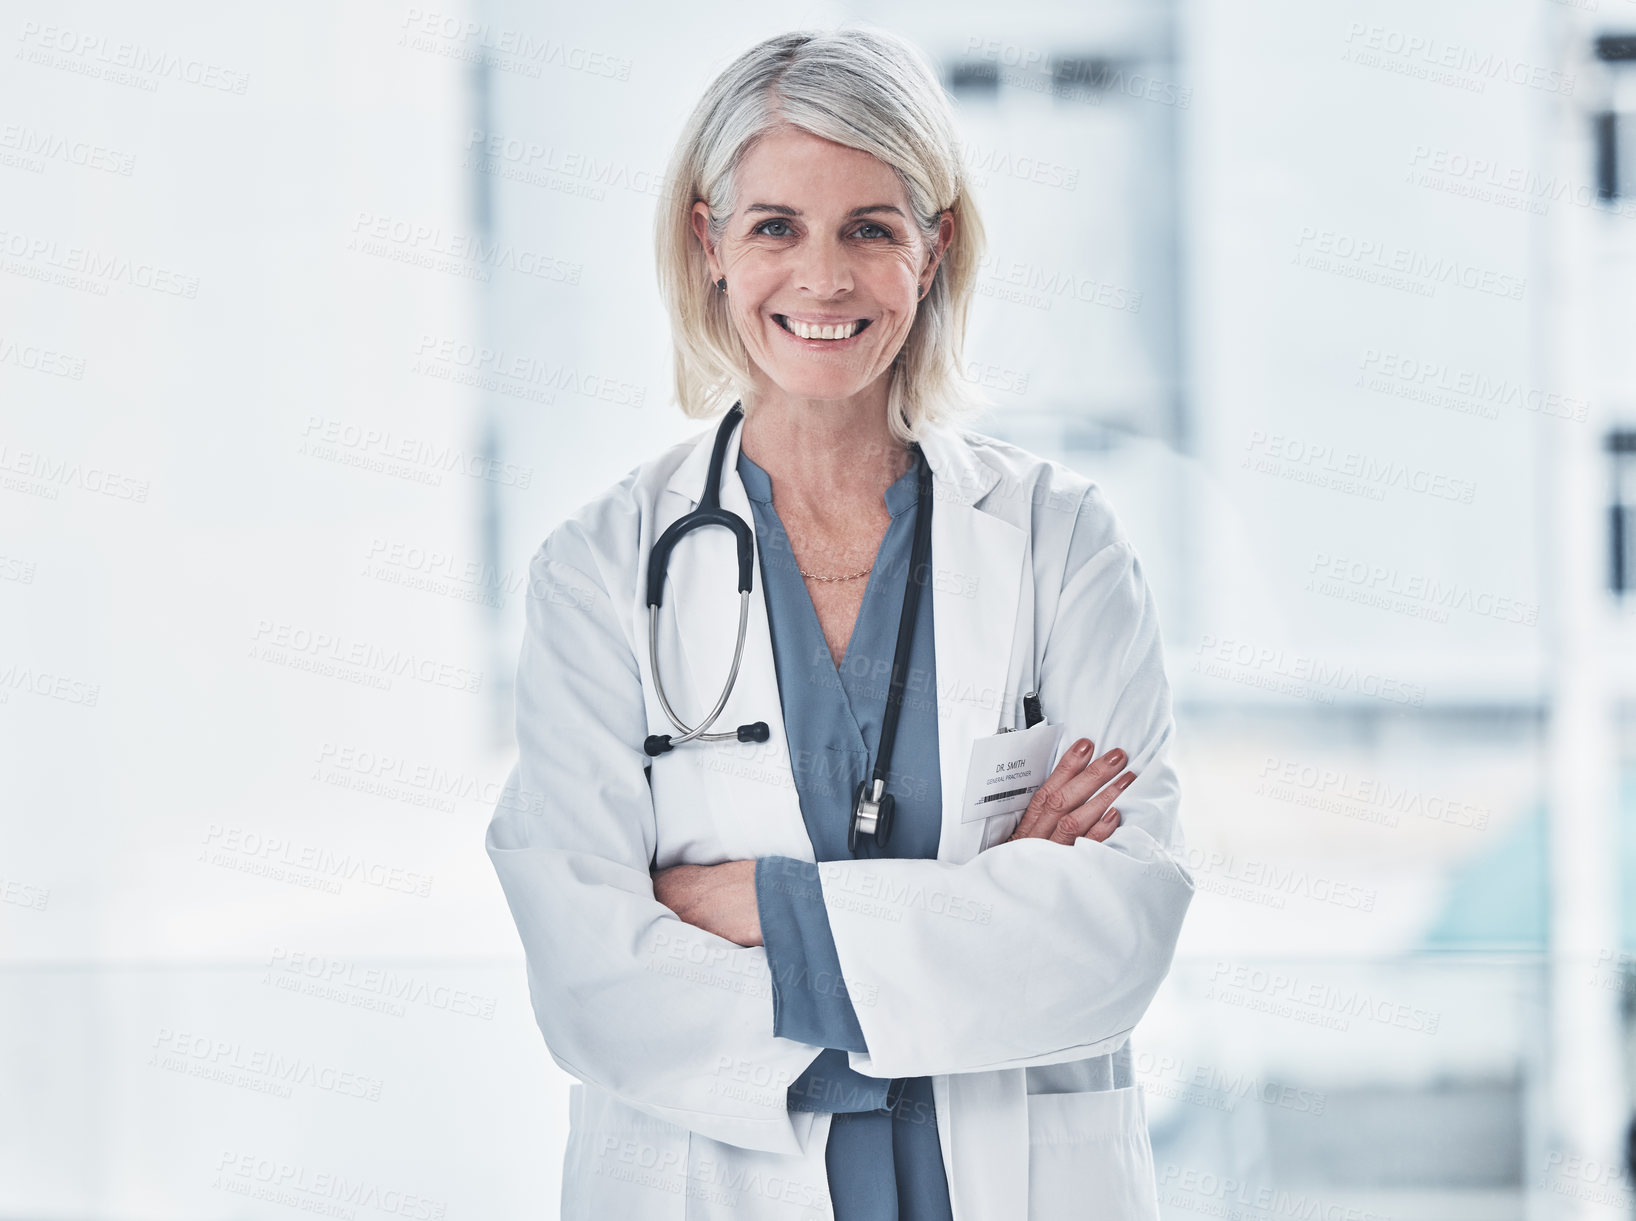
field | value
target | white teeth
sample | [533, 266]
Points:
[842, 330]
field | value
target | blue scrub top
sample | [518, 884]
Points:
[883, 1158]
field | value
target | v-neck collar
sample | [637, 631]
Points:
[900, 497]
[758, 485]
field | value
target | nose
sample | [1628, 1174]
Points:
[823, 268]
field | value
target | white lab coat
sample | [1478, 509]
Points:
[980, 968]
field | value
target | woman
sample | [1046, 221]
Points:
[769, 1013]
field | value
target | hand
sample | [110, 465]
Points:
[1060, 811]
[720, 899]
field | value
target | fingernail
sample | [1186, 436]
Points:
[1081, 746]
[1110, 815]
[1126, 779]
[1116, 758]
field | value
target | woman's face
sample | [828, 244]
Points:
[821, 236]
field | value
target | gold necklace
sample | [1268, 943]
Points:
[852, 576]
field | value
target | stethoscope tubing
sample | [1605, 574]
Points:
[709, 513]
[872, 805]
[688, 735]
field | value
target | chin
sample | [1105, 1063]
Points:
[820, 388]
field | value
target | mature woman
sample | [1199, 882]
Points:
[878, 953]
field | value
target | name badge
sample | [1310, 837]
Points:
[1007, 768]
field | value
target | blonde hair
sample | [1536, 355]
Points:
[866, 89]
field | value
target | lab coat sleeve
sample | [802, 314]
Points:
[1035, 952]
[831, 1084]
[673, 1020]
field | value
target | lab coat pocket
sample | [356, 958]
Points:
[1089, 1156]
[621, 1162]
[998, 829]
[727, 1183]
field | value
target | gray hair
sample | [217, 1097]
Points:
[861, 87]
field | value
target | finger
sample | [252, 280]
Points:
[1072, 793]
[1094, 781]
[1068, 828]
[1088, 815]
[1104, 826]
[1081, 819]
[1046, 804]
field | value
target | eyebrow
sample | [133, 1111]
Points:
[784, 210]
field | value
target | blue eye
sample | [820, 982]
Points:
[880, 231]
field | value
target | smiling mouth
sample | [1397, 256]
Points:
[832, 332]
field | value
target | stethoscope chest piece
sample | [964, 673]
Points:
[871, 814]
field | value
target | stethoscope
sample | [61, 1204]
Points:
[871, 803]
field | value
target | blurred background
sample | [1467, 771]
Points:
[314, 320]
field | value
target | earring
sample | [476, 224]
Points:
[923, 292]
[722, 284]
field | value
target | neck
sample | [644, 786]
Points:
[828, 459]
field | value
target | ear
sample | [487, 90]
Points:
[700, 219]
[945, 235]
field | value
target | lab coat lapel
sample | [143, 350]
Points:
[985, 639]
[978, 564]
